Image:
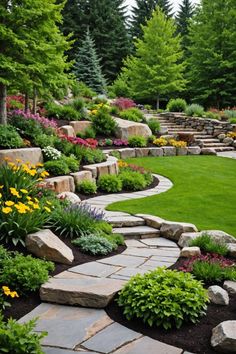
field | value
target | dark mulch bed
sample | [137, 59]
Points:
[24, 304]
[190, 337]
[154, 183]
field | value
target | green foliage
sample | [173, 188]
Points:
[44, 140]
[195, 110]
[81, 89]
[155, 127]
[28, 128]
[88, 133]
[183, 18]
[164, 298]
[9, 138]
[207, 244]
[133, 114]
[90, 156]
[16, 338]
[115, 239]
[103, 123]
[137, 141]
[212, 115]
[71, 162]
[110, 183]
[57, 168]
[66, 112]
[87, 187]
[232, 121]
[94, 244]
[230, 114]
[132, 180]
[64, 146]
[87, 68]
[212, 272]
[24, 273]
[119, 88]
[176, 105]
[78, 103]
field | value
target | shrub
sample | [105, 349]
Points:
[207, 244]
[176, 105]
[44, 140]
[88, 133]
[72, 162]
[232, 121]
[16, 338]
[90, 156]
[230, 114]
[137, 141]
[78, 103]
[15, 102]
[27, 127]
[160, 142]
[66, 112]
[94, 244]
[212, 115]
[119, 88]
[115, 239]
[81, 89]
[25, 273]
[164, 298]
[19, 117]
[133, 114]
[151, 138]
[177, 143]
[87, 187]
[110, 184]
[154, 125]
[57, 168]
[64, 146]
[103, 123]
[124, 103]
[132, 180]
[50, 153]
[195, 110]
[9, 138]
[114, 110]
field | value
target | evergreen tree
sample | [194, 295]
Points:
[142, 12]
[107, 22]
[212, 64]
[183, 17]
[87, 67]
[155, 69]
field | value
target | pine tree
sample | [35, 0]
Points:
[87, 67]
[212, 64]
[143, 12]
[183, 17]
[107, 22]
[155, 69]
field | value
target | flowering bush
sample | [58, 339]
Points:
[92, 143]
[120, 142]
[177, 144]
[232, 135]
[51, 153]
[160, 142]
[124, 103]
[15, 102]
[44, 122]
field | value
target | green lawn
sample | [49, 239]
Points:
[204, 192]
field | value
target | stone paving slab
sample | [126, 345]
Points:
[129, 272]
[159, 242]
[51, 350]
[111, 338]
[123, 260]
[67, 326]
[146, 345]
[115, 213]
[148, 252]
[77, 289]
[136, 243]
[139, 231]
[156, 264]
[95, 269]
[124, 221]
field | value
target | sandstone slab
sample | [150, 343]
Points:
[82, 176]
[159, 242]
[127, 153]
[150, 220]
[125, 221]
[80, 126]
[189, 252]
[194, 150]
[141, 152]
[156, 151]
[44, 244]
[169, 151]
[61, 184]
[32, 155]
[218, 295]
[126, 128]
[173, 231]
[95, 269]
[71, 197]
[122, 260]
[67, 130]
[224, 337]
[137, 231]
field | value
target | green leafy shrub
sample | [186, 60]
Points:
[57, 168]
[71, 162]
[232, 121]
[133, 114]
[64, 146]
[103, 123]
[88, 133]
[9, 138]
[115, 239]
[87, 187]
[44, 140]
[4, 255]
[230, 113]
[132, 181]
[195, 110]
[212, 115]
[94, 244]
[164, 298]
[78, 103]
[66, 112]
[207, 244]
[81, 89]
[25, 273]
[114, 110]
[16, 338]
[110, 184]
[90, 156]
[137, 141]
[176, 105]
[212, 272]
[28, 128]
[154, 125]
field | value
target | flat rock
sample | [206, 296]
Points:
[67, 130]
[194, 150]
[216, 235]
[32, 155]
[159, 242]
[218, 295]
[71, 197]
[95, 269]
[230, 286]
[224, 337]
[189, 252]
[45, 244]
[127, 153]
[54, 350]
[123, 260]
[169, 151]
[124, 221]
[137, 232]
[173, 231]
[151, 220]
[141, 152]
[128, 128]
[61, 184]
[80, 126]
[182, 151]
[208, 151]
[77, 289]
[156, 151]
[82, 176]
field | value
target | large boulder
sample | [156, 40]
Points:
[232, 249]
[126, 128]
[67, 130]
[80, 126]
[218, 295]
[173, 230]
[45, 244]
[60, 184]
[230, 286]
[224, 337]
[82, 176]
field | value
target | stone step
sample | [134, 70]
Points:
[137, 232]
[213, 145]
[125, 221]
[208, 140]
[223, 149]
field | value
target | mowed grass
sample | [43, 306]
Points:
[204, 192]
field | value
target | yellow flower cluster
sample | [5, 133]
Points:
[28, 168]
[94, 111]
[122, 163]
[8, 292]
[160, 142]
[177, 144]
[231, 135]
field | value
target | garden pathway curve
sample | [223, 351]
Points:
[90, 330]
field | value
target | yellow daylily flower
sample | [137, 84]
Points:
[6, 210]
[9, 203]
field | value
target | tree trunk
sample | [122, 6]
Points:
[26, 102]
[3, 104]
[35, 101]
[158, 102]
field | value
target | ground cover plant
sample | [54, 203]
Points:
[207, 244]
[201, 183]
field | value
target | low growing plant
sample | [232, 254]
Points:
[50, 153]
[163, 297]
[154, 125]
[132, 180]
[137, 141]
[195, 110]
[160, 142]
[103, 123]
[208, 245]
[94, 244]
[133, 114]
[44, 140]
[72, 162]
[87, 187]
[57, 168]
[110, 183]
